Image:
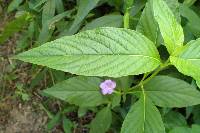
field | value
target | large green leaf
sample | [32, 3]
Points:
[147, 24]
[188, 60]
[143, 117]
[171, 30]
[102, 121]
[81, 91]
[106, 51]
[112, 20]
[166, 91]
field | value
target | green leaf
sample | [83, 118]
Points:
[188, 60]
[85, 6]
[143, 117]
[82, 111]
[48, 11]
[97, 53]
[147, 24]
[60, 6]
[67, 125]
[81, 91]
[14, 5]
[174, 119]
[37, 78]
[198, 83]
[193, 20]
[56, 119]
[166, 91]
[14, 26]
[174, 5]
[55, 19]
[195, 128]
[180, 130]
[171, 30]
[115, 100]
[102, 121]
[137, 7]
[105, 21]
[189, 2]
[128, 4]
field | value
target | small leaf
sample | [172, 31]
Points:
[174, 119]
[97, 53]
[166, 91]
[189, 2]
[147, 24]
[54, 121]
[85, 6]
[195, 128]
[188, 60]
[174, 5]
[67, 125]
[143, 117]
[193, 20]
[171, 30]
[115, 100]
[81, 91]
[14, 26]
[128, 4]
[198, 83]
[102, 121]
[105, 21]
[48, 11]
[60, 6]
[180, 130]
[14, 5]
[82, 111]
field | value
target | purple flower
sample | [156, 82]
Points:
[107, 87]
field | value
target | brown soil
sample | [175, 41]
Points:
[17, 116]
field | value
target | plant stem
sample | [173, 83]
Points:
[126, 19]
[144, 81]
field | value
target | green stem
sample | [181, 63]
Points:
[142, 82]
[52, 78]
[126, 19]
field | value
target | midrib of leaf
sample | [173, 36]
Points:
[193, 59]
[79, 91]
[163, 92]
[144, 106]
[186, 59]
[72, 55]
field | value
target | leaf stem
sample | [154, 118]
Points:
[144, 81]
[126, 19]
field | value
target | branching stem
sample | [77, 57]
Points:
[144, 81]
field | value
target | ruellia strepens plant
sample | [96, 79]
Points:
[106, 61]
